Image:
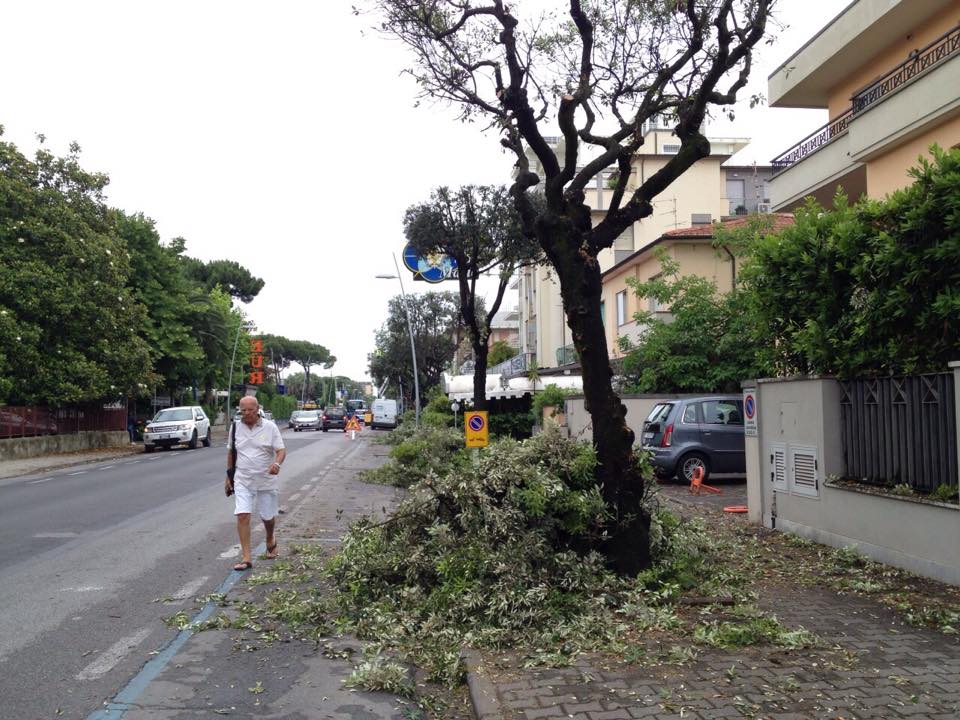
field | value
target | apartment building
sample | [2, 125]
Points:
[888, 73]
[708, 191]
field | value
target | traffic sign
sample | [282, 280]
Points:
[477, 428]
[750, 413]
[281, 389]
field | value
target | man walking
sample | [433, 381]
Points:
[260, 453]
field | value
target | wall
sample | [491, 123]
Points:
[19, 448]
[804, 413]
[888, 172]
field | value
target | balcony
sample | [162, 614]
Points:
[918, 105]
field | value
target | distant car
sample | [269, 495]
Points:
[173, 426]
[307, 420]
[697, 432]
[384, 414]
[293, 416]
[334, 418]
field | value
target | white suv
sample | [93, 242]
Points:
[176, 425]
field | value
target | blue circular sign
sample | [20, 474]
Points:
[433, 268]
[476, 423]
[750, 406]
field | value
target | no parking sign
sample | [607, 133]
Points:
[477, 428]
[750, 413]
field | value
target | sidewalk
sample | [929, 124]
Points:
[259, 665]
[871, 663]
[43, 463]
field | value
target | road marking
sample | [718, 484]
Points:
[305, 487]
[82, 588]
[134, 462]
[37, 482]
[79, 472]
[190, 589]
[114, 654]
[57, 535]
[149, 459]
[293, 498]
[231, 552]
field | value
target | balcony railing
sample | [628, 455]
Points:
[517, 365]
[917, 64]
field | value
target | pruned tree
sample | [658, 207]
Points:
[599, 71]
[477, 226]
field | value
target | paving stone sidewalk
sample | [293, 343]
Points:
[873, 665]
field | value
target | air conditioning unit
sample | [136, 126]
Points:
[763, 207]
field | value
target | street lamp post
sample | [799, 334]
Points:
[241, 326]
[413, 349]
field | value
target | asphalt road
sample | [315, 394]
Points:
[96, 555]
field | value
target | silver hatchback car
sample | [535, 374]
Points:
[688, 433]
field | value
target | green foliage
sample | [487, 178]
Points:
[551, 396]
[68, 321]
[381, 674]
[711, 343]
[417, 453]
[437, 412]
[282, 406]
[500, 351]
[514, 424]
[754, 630]
[944, 493]
[866, 288]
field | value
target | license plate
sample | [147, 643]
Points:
[647, 437]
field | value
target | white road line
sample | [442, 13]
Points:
[57, 535]
[305, 487]
[293, 498]
[106, 467]
[82, 588]
[79, 472]
[114, 654]
[149, 459]
[134, 462]
[190, 589]
[37, 482]
[231, 552]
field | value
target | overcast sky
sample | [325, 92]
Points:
[280, 135]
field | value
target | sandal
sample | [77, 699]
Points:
[271, 551]
[242, 566]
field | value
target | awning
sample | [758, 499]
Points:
[460, 387]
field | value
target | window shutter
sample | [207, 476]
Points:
[778, 466]
[804, 471]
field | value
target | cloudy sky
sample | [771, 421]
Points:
[281, 135]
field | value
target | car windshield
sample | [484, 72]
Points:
[308, 416]
[334, 413]
[660, 412]
[296, 414]
[174, 414]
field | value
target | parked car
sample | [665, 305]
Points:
[173, 426]
[697, 432]
[307, 420]
[384, 414]
[334, 418]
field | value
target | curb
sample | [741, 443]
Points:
[483, 694]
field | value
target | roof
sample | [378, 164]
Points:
[460, 387]
[703, 232]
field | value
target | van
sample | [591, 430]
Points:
[384, 414]
[690, 433]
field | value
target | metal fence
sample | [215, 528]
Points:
[900, 430]
[18, 421]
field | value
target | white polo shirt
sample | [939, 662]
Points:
[257, 447]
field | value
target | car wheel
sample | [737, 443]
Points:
[325, 429]
[149, 448]
[193, 441]
[690, 462]
[207, 440]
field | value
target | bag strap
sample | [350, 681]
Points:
[233, 443]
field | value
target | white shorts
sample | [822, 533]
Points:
[267, 502]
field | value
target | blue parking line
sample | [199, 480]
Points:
[124, 699]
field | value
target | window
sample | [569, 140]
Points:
[670, 149]
[623, 245]
[654, 305]
[721, 412]
[689, 415]
[603, 313]
[621, 307]
[660, 412]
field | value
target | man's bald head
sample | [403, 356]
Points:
[249, 410]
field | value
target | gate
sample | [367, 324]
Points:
[900, 430]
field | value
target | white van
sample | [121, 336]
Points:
[384, 414]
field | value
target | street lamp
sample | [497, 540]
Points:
[413, 349]
[242, 326]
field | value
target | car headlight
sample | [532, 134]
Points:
[148, 428]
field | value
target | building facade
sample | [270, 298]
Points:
[888, 73]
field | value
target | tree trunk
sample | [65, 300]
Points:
[622, 485]
[480, 352]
